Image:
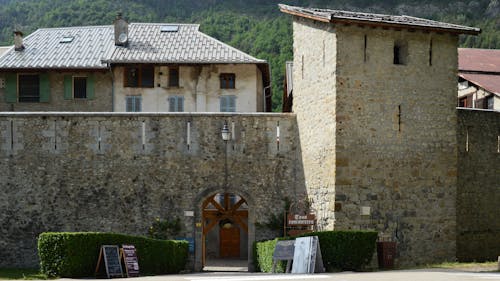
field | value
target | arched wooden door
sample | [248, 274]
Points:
[230, 213]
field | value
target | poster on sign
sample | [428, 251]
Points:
[131, 261]
[109, 256]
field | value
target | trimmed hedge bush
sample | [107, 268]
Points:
[75, 254]
[340, 250]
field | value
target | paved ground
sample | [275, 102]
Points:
[396, 275]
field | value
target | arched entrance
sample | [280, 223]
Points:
[224, 228]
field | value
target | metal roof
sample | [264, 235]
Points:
[93, 46]
[44, 49]
[148, 44]
[480, 60]
[337, 16]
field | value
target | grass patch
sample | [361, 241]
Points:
[21, 274]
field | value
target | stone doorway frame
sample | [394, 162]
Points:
[198, 224]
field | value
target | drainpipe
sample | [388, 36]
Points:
[265, 96]
[112, 88]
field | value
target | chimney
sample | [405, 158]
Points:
[18, 41]
[121, 31]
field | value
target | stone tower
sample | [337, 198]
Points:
[375, 100]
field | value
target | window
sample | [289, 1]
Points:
[227, 81]
[139, 76]
[462, 102]
[228, 104]
[400, 53]
[173, 76]
[133, 104]
[29, 88]
[176, 104]
[488, 102]
[80, 87]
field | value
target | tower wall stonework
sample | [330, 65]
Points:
[91, 172]
[314, 98]
[381, 136]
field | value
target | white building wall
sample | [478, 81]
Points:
[198, 84]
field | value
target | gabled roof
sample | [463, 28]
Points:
[91, 47]
[44, 49]
[336, 16]
[187, 45]
[489, 82]
[478, 60]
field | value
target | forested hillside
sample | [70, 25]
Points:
[254, 26]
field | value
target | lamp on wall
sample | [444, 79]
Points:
[226, 134]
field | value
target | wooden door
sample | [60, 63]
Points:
[229, 242]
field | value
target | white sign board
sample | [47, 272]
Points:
[304, 256]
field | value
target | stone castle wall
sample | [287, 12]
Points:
[118, 172]
[478, 194]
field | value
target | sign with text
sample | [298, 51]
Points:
[301, 220]
[131, 260]
[190, 240]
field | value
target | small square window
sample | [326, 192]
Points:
[176, 104]
[227, 81]
[133, 104]
[228, 104]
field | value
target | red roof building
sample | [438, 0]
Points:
[479, 78]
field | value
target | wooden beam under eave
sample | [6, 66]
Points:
[303, 15]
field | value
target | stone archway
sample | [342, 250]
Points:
[225, 227]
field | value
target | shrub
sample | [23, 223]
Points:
[340, 250]
[67, 254]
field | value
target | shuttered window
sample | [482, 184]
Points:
[176, 104]
[78, 87]
[11, 88]
[133, 104]
[173, 76]
[29, 87]
[139, 76]
[228, 104]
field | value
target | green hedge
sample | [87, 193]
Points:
[340, 250]
[75, 254]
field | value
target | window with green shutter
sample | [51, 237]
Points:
[29, 87]
[44, 88]
[11, 88]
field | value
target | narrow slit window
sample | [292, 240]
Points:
[400, 53]
[364, 50]
[430, 53]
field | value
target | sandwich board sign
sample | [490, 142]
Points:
[110, 256]
[307, 255]
[131, 262]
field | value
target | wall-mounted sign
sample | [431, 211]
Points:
[301, 220]
[190, 240]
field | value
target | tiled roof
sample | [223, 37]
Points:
[44, 49]
[479, 60]
[335, 16]
[489, 82]
[93, 46]
[188, 45]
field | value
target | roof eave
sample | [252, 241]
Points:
[324, 18]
